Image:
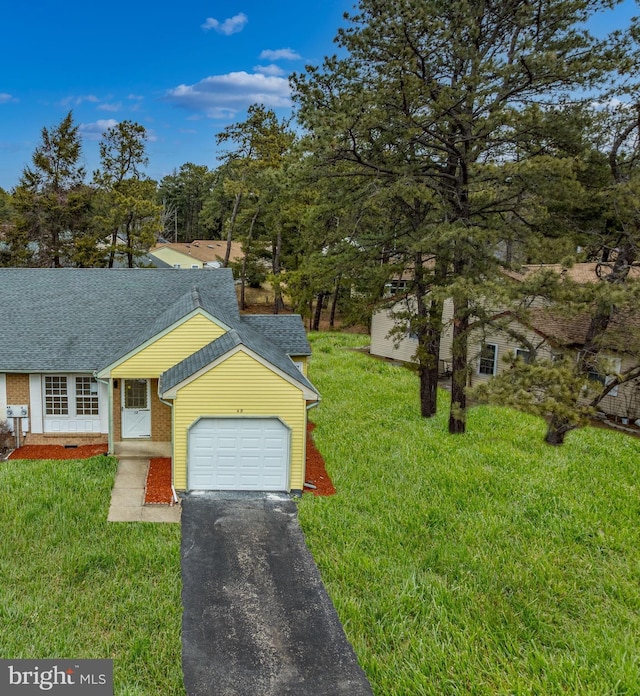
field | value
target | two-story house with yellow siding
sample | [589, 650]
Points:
[162, 361]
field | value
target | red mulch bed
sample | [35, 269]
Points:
[316, 472]
[58, 452]
[158, 489]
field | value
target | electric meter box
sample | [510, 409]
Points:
[21, 411]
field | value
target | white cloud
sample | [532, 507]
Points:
[269, 69]
[280, 54]
[77, 100]
[135, 97]
[94, 131]
[222, 96]
[6, 98]
[232, 25]
[110, 107]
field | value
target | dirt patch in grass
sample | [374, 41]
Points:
[58, 452]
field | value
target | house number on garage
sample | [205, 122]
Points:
[240, 410]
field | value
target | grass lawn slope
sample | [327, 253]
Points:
[487, 563]
[73, 585]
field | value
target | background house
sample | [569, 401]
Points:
[551, 333]
[201, 253]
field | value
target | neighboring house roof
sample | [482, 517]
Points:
[203, 250]
[571, 330]
[588, 272]
[82, 320]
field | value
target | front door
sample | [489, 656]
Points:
[136, 409]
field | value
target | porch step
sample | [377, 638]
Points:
[142, 448]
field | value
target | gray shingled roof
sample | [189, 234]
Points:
[78, 320]
[285, 330]
[81, 320]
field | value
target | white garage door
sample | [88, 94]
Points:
[239, 454]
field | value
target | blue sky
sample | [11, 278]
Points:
[184, 72]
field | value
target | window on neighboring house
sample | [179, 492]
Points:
[176, 265]
[395, 287]
[524, 355]
[70, 396]
[194, 265]
[56, 395]
[488, 359]
[605, 379]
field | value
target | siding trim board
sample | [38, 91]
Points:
[3, 396]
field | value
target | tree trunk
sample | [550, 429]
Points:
[557, 428]
[428, 328]
[243, 273]
[232, 225]
[458, 412]
[278, 304]
[334, 302]
[112, 250]
[318, 313]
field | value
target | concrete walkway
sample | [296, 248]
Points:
[127, 496]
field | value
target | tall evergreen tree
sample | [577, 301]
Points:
[128, 217]
[51, 201]
[428, 103]
[185, 192]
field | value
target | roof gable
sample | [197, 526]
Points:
[225, 346]
[183, 309]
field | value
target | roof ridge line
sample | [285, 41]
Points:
[196, 296]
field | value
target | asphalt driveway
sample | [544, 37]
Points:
[256, 617]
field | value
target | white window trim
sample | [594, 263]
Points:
[495, 359]
[76, 423]
[36, 400]
[3, 396]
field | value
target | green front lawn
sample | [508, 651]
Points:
[73, 585]
[488, 563]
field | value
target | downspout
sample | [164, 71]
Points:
[109, 386]
[170, 405]
[312, 404]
